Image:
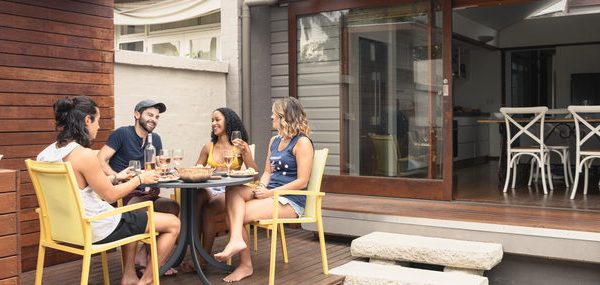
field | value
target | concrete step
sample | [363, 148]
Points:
[421, 249]
[365, 273]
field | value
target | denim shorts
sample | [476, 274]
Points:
[299, 210]
[214, 191]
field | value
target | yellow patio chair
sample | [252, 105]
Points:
[63, 225]
[312, 213]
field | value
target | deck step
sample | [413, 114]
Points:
[365, 273]
[447, 252]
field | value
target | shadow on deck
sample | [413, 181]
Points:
[304, 265]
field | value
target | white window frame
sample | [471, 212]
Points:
[183, 35]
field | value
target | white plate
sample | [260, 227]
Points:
[242, 175]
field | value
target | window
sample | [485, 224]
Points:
[132, 46]
[197, 38]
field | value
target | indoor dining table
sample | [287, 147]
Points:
[189, 230]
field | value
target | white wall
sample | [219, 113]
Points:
[574, 59]
[551, 31]
[190, 95]
[481, 87]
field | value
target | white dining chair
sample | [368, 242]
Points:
[537, 151]
[584, 131]
[561, 150]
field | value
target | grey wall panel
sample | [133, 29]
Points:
[280, 92]
[279, 81]
[278, 37]
[279, 13]
[333, 149]
[320, 102]
[330, 66]
[323, 113]
[280, 69]
[319, 90]
[281, 58]
[317, 79]
[279, 48]
[279, 25]
[326, 136]
[325, 125]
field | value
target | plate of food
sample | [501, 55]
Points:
[168, 178]
[243, 173]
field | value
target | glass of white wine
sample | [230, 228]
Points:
[228, 156]
[177, 156]
[164, 159]
[236, 135]
[135, 168]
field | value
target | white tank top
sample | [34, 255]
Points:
[92, 205]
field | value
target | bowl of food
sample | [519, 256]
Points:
[198, 173]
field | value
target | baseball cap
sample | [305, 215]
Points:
[150, 103]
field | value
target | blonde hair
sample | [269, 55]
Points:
[292, 118]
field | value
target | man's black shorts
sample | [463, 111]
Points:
[132, 223]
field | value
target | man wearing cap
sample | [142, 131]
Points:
[128, 143]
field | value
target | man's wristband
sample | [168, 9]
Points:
[140, 178]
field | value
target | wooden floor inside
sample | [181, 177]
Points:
[304, 265]
[479, 183]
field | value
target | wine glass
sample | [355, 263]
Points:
[164, 159]
[135, 168]
[177, 156]
[236, 135]
[228, 156]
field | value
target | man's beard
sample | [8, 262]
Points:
[144, 124]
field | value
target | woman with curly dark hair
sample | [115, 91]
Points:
[290, 155]
[212, 202]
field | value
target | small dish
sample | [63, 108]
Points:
[241, 175]
[167, 179]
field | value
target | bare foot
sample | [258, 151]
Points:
[129, 280]
[231, 249]
[241, 272]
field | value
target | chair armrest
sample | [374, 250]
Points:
[297, 192]
[128, 208]
[277, 193]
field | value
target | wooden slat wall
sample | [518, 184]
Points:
[9, 227]
[49, 50]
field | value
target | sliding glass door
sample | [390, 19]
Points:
[376, 73]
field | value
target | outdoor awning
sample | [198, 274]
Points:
[168, 11]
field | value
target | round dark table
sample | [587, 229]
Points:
[189, 233]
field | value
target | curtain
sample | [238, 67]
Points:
[149, 12]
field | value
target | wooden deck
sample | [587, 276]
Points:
[304, 265]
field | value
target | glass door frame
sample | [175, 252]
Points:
[440, 189]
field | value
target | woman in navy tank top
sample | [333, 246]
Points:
[288, 166]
